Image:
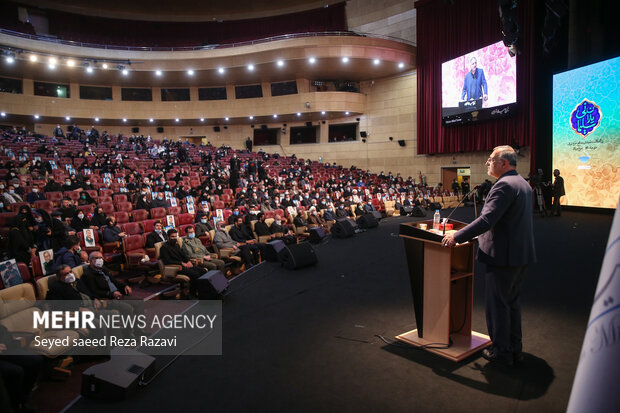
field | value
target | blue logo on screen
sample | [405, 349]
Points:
[585, 118]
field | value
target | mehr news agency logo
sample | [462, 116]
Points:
[58, 320]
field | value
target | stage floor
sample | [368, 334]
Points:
[322, 338]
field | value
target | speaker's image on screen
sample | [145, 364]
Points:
[586, 133]
[482, 79]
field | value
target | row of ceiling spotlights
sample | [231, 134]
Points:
[52, 63]
[68, 118]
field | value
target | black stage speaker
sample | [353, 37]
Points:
[414, 211]
[406, 211]
[211, 284]
[344, 228]
[135, 130]
[434, 206]
[367, 221]
[296, 256]
[363, 134]
[118, 378]
[377, 215]
[273, 249]
[418, 212]
[216, 129]
[401, 142]
[308, 124]
[160, 129]
[317, 234]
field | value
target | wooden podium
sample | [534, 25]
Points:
[442, 284]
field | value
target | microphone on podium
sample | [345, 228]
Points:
[475, 188]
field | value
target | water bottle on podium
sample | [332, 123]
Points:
[436, 219]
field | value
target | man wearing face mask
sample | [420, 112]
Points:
[159, 202]
[98, 281]
[158, 235]
[203, 225]
[316, 220]
[67, 209]
[11, 196]
[247, 243]
[35, 195]
[282, 231]
[70, 253]
[198, 254]
[172, 254]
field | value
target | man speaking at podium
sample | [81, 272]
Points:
[506, 246]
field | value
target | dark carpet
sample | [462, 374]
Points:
[307, 340]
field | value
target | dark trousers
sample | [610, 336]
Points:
[193, 274]
[250, 254]
[19, 373]
[557, 208]
[503, 308]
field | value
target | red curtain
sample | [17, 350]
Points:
[447, 31]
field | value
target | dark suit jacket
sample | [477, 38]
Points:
[96, 284]
[153, 238]
[172, 255]
[505, 225]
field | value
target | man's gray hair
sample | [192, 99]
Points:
[508, 153]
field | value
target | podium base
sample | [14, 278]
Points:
[462, 346]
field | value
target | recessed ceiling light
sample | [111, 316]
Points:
[125, 72]
[10, 59]
[158, 72]
[52, 61]
[3, 114]
[346, 113]
[124, 119]
[176, 120]
[226, 118]
[202, 119]
[105, 65]
[96, 119]
[89, 69]
[312, 60]
[345, 60]
[221, 70]
[322, 112]
[376, 61]
[190, 72]
[280, 63]
[67, 117]
[250, 67]
[33, 58]
[298, 113]
[70, 63]
[275, 115]
[251, 117]
[51, 66]
[36, 116]
[401, 65]
[151, 120]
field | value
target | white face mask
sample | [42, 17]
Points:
[99, 262]
[69, 278]
[81, 216]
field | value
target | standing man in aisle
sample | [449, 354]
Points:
[506, 245]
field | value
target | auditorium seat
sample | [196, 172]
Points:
[132, 228]
[122, 217]
[139, 215]
[158, 213]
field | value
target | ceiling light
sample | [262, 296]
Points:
[346, 113]
[176, 120]
[250, 67]
[125, 72]
[190, 72]
[221, 70]
[3, 114]
[36, 116]
[70, 63]
[67, 117]
[151, 120]
[376, 61]
[105, 65]
[280, 63]
[51, 66]
[401, 65]
[96, 119]
[275, 115]
[10, 59]
[298, 113]
[158, 72]
[226, 118]
[322, 112]
[89, 69]
[124, 119]
[202, 119]
[312, 60]
[52, 61]
[345, 60]
[33, 58]
[251, 117]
